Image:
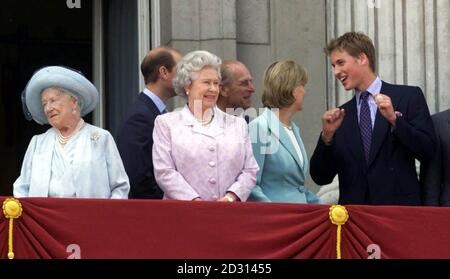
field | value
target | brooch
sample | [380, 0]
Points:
[94, 137]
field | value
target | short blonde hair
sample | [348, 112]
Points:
[354, 43]
[279, 81]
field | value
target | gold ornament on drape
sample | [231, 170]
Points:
[338, 216]
[12, 209]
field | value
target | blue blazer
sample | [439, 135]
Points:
[135, 144]
[390, 177]
[281, 176]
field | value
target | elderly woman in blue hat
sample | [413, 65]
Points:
[73, 158]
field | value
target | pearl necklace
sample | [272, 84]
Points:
[206, 121]
[64, 139]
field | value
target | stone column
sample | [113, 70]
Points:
[201, 24]
[411, 38]
[204, 24]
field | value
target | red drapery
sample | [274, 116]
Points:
[213, 230]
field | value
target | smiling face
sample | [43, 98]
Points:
[204, 89]
[58, 107]
[352, 72]
[240, 90]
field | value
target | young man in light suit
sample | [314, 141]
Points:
[372, 141]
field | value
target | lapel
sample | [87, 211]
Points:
[216, 127]
[276, 128]
[445, 131]
[352, 133]
[149, 104]
[302, 147]
[40, 181]
[382, 126]
[448, 122]
[86, 143]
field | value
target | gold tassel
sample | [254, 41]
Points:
[338, 216]
[12, 209]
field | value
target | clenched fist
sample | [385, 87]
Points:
[331, 121]
[384, 104]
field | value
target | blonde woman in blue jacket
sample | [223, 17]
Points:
[276, 142]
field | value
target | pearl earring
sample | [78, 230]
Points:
[74, 111]
[187, 92]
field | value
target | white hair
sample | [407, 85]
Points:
[190, 65]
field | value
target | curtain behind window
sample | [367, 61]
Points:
[121, 60]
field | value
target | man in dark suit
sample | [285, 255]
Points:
[236, 88]
[435, 175]
[135, 140]
[372, 141]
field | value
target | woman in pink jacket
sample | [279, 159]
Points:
[200, 152]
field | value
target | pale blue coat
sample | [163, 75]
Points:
[281, 176]
[94, 171]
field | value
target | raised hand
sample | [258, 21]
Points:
[385, 107]
[331, 121]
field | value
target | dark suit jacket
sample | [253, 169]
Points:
[435, 176]
[135, 144]
[390, 177]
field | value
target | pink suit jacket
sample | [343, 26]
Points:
[191, 160]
